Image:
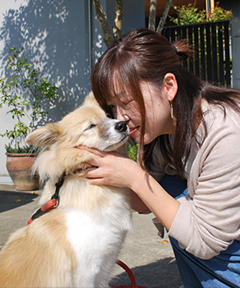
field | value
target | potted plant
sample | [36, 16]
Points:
[24, 92]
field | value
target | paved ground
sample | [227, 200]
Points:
[150, 259]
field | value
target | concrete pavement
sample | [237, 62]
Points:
[150, 258]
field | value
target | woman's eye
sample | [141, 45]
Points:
[127, 101]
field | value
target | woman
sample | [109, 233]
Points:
[186, 129]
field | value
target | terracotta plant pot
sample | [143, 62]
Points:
[19, 167]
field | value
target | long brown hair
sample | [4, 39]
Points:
[144, 55]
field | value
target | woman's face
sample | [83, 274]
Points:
[157, 119]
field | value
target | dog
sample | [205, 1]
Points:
[77, 243]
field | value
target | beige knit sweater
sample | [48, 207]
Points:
[208, 221]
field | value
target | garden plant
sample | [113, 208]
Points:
[24, 92]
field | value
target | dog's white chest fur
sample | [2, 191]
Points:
[95, 240]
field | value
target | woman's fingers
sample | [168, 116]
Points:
[109, 168]
[92, 150]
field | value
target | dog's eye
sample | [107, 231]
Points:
[90, 126]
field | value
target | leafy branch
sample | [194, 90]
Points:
[24, 92]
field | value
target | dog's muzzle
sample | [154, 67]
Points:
[121, 126]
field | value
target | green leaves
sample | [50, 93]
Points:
[22, 91]
[189, 15]
[22, 149]
[19, 130]
[219, 13]
[132, 151]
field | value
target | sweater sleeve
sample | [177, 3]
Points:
[209, 221]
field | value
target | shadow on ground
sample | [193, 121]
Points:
[11, 200]
[153, 275]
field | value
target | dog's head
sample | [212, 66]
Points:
[89, 126]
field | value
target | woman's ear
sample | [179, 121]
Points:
[170, 86]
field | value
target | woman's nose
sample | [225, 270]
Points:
[121, 115]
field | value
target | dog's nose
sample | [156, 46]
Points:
[121, 126]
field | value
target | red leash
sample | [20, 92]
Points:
[51, 204]
[131, 276]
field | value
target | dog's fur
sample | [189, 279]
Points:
[76, 244]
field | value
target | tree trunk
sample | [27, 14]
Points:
[107, 37]
[117, 29]
[152, 15]
[164, 16]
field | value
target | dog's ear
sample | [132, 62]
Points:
[44, 136]
[90, 100]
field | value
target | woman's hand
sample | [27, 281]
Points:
[117, 170]
[112, 169]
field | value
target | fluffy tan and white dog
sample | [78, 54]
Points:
[77, 243]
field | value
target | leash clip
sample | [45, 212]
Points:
[57, 201]
[50, 204]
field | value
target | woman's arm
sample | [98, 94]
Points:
[162, 205]
[137, 204]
